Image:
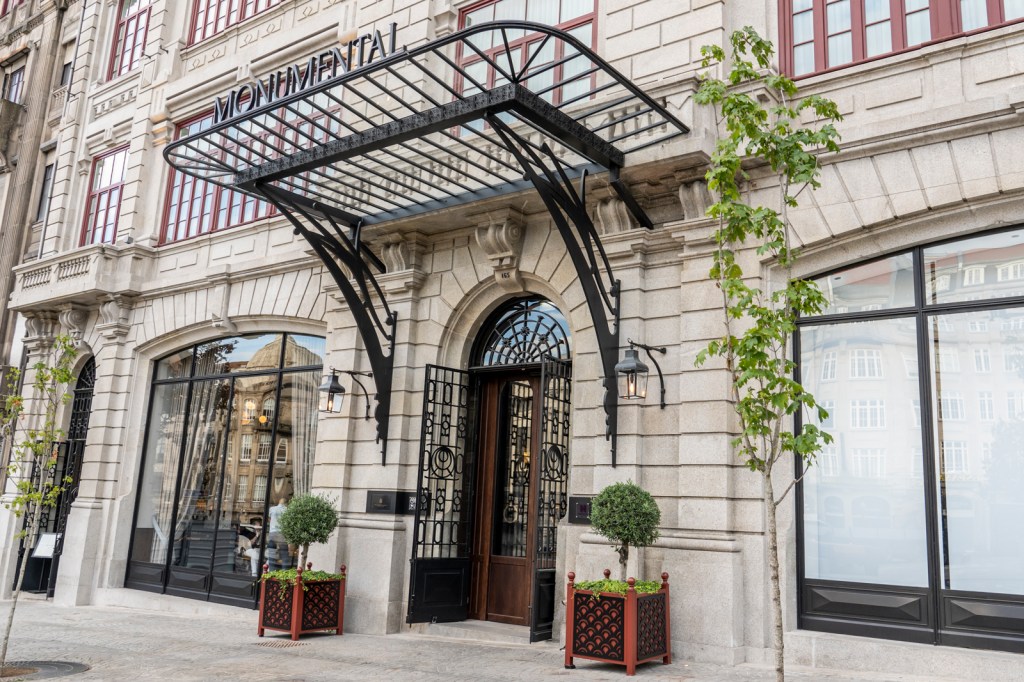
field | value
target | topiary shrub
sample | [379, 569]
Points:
[627, 515]
[308, 519]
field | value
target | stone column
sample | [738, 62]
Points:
[90, 530]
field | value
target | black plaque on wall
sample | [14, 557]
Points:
[579, 510]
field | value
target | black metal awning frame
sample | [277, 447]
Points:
[420, 131]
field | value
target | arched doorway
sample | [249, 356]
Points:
[494, 462]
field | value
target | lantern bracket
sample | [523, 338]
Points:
[650, 353]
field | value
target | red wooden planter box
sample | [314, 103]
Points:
[612, 628]
[321, 606]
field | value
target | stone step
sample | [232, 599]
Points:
[479, 630]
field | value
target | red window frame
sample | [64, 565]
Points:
[211, 17]
[8, 5]
[468, 57]
[944, 21]
[129, 36]
[103, 207]
[196, 207]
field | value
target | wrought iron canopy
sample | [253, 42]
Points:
[489, 110]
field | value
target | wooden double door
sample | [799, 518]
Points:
[504, 541]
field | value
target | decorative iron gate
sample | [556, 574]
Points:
[41, 573]
[439, 587]
[552, 490]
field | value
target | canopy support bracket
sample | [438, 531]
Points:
[322, 227]
[568, 210]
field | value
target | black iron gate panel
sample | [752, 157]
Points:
[552, 490]
[439, 586]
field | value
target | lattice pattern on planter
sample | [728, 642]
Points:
[650, 626]
[320, 605]
[600, 626]
[277, 611]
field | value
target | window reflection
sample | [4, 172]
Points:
[955, 272]
[878, 285]
[864, 514]
[979, 472]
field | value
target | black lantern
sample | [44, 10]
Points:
[332, 393]
[633, 372]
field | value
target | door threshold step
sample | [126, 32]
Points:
[479, 630]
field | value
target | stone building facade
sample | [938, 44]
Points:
[197, 306]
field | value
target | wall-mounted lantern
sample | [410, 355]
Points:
[632, 372]
[332, 393]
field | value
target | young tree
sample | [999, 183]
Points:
[760, 322]
[31, 439]
[308, 519]
[627, 515]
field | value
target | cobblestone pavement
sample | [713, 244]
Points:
[134, 644]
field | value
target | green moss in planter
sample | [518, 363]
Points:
[286, 578]
[617, 586]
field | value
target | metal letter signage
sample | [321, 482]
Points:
[351, 56]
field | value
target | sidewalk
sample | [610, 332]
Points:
[133, 644]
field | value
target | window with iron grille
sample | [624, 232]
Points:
[554, 75]
[210, 17]
[104, 204]
[14, 85]
[818, 35]
[129, 36]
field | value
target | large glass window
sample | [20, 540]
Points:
[818, 35]
[921, 492]
[203, 528]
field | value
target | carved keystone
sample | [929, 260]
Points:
[500, 235]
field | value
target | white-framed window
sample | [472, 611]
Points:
[910, 365]
[829, 406]
[942, 283]
[1010, 271]
[949, 360]
[867, 414]
[282, 452]
[977, 326]
[243, 487]
[973, 276]
[1012, 324]
[865, 363]
[1015, 404]
[986, 406]
[245, 452]
[259, 489]
[269, 407]
[951, 407]
[915, 406]
[868, 462]
[828, 366]
[954, 456]
[263, 448]
[982, 361]
[1013, 359]
[828, 461]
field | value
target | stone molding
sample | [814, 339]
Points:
[114, 316]
[73, 319]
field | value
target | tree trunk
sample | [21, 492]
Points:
[623, 559]
[773, 565]
[18, 582]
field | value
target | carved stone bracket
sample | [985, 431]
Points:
[500, 235]
[115, 314]
[73, 318]
[694, 199]
[40, 330]
[612, 215]
[402, 255]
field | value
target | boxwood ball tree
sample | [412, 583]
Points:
[308, 519]
[627, 515]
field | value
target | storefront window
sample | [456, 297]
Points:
[919, 496]
[219, 410]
